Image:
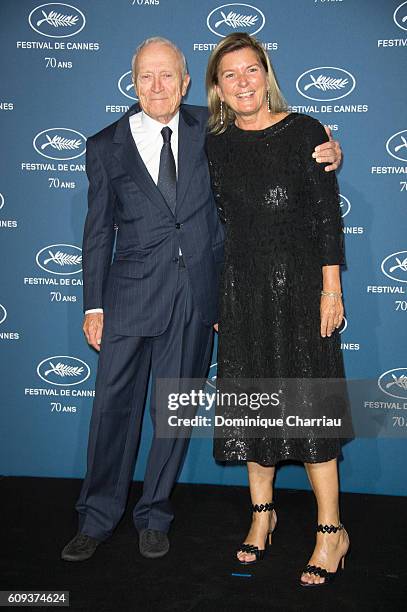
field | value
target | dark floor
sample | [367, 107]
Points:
[39, 519]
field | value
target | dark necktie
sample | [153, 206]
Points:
[167, 176]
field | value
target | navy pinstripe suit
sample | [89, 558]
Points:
[157, 315]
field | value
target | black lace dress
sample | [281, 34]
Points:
[283, 223]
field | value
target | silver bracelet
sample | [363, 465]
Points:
[332, 293]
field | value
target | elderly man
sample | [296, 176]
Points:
[153, 307]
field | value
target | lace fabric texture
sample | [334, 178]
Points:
[283, 223]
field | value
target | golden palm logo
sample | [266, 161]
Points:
[400, 381]
[324, 83]
[57, 20]
[236, 20]
[62, 370]
[60, 143]
[63, 259]
[401, 265]
[403, 145]
[235, 16]
[396, 145]
[394, 383]
[393, 266]
[60, 259]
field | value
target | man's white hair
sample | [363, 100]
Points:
[163, 41]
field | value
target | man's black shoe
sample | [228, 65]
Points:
[80, 548]
[153, 544]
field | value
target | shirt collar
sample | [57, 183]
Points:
[153, 126]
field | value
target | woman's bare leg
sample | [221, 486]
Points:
[261, 492]
[329, 547]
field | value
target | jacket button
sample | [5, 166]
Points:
[178, 225]
[175, 260]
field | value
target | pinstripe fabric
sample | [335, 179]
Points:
[155, 312]
[182, 351]
[137, 290]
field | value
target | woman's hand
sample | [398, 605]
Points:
[331, 314]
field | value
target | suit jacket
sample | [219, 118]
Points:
[137, 289]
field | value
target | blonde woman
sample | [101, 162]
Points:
[280, 298]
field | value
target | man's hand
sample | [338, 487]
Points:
[328, 152]
[93, 329]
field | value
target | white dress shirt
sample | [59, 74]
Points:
[146, 133]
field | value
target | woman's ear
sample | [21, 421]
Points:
[219, 92]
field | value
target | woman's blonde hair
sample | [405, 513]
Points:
[234, 42]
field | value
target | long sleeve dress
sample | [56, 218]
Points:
[282, 223]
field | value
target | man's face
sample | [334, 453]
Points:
[159, 83]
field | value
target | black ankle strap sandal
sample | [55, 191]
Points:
[255, 550]
[320, 571]
[330, 528]
[263, 507]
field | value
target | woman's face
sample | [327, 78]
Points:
[242, 83]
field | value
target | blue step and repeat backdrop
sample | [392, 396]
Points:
[65, 75]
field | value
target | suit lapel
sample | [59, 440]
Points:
[129, 157]
[189, 145]
[189, 137]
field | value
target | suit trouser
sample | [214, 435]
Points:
[182, 351]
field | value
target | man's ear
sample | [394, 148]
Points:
[185, 84]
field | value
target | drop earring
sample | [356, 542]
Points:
[221, 113]
[268, 101]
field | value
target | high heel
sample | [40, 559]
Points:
[320, 571]
[255, 550]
